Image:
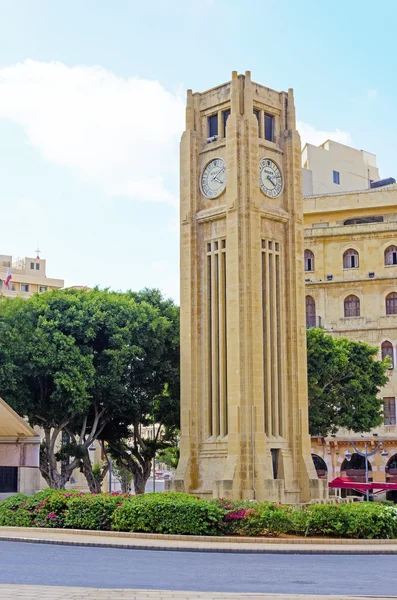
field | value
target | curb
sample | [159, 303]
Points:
[257, 548]
[333, 551]
[204, 538]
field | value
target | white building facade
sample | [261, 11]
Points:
[334, 167]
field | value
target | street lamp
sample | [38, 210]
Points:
[366, 454]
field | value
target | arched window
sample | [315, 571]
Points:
[391, 476]
[355, 468]
[352, 306]
[310, 312]
[391, 469]
[309, 260]
[389, 411]
[391, 304]
[350, 259]
[391, 255]
[387, 350]
[320, 466]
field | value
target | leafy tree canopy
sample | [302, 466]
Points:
[79, 361]
[344, 380]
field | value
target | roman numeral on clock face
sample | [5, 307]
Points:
[270, 178]
[213, 178]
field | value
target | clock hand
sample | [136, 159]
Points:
[216, 174]
[270, 179]
[216, 179]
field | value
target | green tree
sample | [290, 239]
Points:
[71, 360]
[344, 379]
[149, 392]
[48, 372]
[169, 456]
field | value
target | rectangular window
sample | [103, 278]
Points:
[269, 128]
[8, 480]
[37, 266]
[24, 287]
[213, 125]
[42, 288]
[389, 411]
[257, 113]
[336, 177]
[32, 265]
[275, 453]
[225, 116]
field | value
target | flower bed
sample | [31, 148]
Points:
[183, 514]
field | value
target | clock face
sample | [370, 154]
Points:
[213, 178]
[270, 178]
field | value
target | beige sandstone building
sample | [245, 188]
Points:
[335, 168]
[19, 453]
[28, 276]
[351, 291]
[243, 353]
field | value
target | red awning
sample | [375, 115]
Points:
[349, 484]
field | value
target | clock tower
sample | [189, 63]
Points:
[244, 406]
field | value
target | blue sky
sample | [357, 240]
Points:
[92, 106]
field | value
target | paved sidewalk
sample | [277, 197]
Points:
[183, 543]
[38, 592]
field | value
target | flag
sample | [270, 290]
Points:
[8, 278]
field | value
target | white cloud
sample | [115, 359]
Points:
[119, 134]
[311, 135]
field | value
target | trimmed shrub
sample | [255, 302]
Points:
[234, 511]
[325, 519]
[50, 508]
[178, 513]
[265, 520]
[367, 520]
[298, 521]
[93, 511]
[12, 514]
[171, 513]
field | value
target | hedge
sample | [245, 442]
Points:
[183, 514]
[167, 513]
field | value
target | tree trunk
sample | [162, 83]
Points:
[141, 475]
[136, 463]
[49, 464]
[50, 474]
[94, 483]
[139, 484]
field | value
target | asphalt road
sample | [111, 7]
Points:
[42, 564]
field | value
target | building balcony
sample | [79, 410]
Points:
[316, 321]
[363, 229]
[353, 276]
[361, 323]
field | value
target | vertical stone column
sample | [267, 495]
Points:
[190, 409]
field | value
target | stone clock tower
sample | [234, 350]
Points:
[244, 407]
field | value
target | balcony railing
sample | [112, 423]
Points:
[314, 321]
